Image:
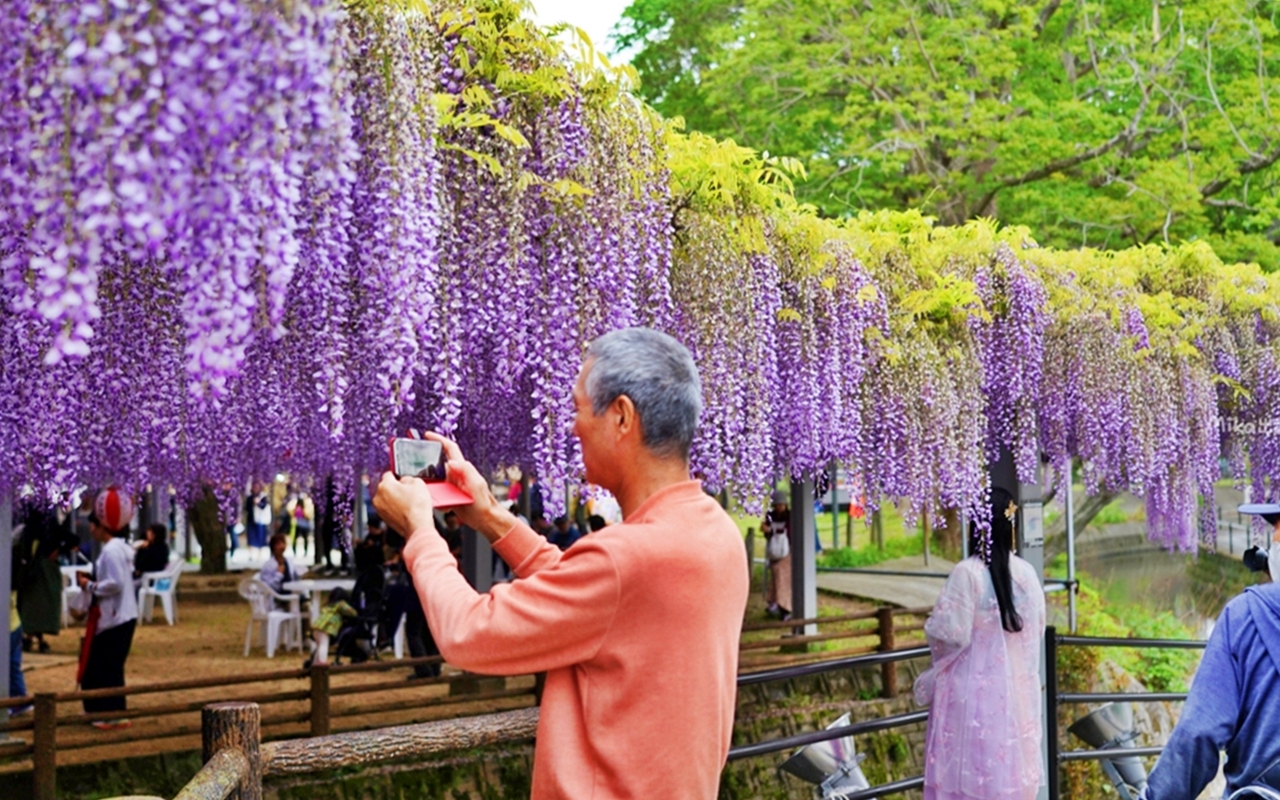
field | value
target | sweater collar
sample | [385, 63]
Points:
[674, 493]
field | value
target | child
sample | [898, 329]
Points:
[329, 623]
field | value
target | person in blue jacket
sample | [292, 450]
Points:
[1232, 704]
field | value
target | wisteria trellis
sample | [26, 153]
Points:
[240, 236]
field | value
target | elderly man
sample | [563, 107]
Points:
[1232, 704]
[636, 625]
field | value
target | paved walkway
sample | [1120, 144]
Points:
[898, 590]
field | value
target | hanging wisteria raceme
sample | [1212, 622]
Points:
[166, 131]
[1011, 344]
[741, 390]
[243, 237]
[394, 229]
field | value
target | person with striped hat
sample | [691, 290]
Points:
[113, 614]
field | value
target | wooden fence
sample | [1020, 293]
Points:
[873, 631]
[324, 700]
[319, 701]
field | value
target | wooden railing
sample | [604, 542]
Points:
[319, 699]
[308, 709]
[236, 760]
[881, 633]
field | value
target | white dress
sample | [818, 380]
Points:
[983, 689]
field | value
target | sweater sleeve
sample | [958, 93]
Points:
[557, 614]
[1208, 722]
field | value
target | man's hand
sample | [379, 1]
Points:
[83, 579]
[484, 514]
[404, 504]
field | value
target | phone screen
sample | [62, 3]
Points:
[421, 458]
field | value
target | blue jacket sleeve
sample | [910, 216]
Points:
[1208, 723]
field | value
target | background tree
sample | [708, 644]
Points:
[1095, 124]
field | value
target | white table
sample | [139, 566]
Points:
[313, 587]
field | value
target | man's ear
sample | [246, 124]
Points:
[625, 412]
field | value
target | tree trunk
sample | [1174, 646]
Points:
[877, 529]
[948, 536]
[206, 521]
[1085, 512]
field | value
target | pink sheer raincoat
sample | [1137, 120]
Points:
[984, 734]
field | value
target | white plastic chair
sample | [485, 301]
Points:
[280, 626]
[69, 589]
[162, 585]
[399, 639]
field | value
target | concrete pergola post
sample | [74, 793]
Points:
[477, 560]
[1030, 521]
[804, 572]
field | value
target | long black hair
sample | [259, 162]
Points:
[998, 563]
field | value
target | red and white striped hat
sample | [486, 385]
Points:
[113, 508]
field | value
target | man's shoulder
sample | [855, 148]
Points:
[1263, 597]
[689, 524]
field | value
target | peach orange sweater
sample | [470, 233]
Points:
[637, 628]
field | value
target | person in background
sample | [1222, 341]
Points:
[39, 578]
[452, 534]
[541, 526]
[328, 623]
[596, 523]
[113, 614]
[303, 527]
[983, 688]
[564, 534]
[257, 520]
[622, 715]
[776, 527]
[1232, 704]
[403, 599]
[153, 555]
[17, 685]
[278, 570]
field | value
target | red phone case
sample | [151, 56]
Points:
[443, 493]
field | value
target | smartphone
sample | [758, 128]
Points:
[425, 459]
[420, 458]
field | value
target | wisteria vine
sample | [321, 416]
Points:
[238, 237]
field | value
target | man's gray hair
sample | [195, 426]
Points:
[659, 376]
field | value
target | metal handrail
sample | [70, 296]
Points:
[867, 726]
[904, 785]
[871, 659]
[1114, 641]
[1121, 697]
[1113, 752]
[1052, 641]
[813, 737]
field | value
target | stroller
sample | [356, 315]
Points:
[358, 638]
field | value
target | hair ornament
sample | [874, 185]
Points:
[1011, 512]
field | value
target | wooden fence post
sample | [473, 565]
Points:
[235, 726]
[319, 699]
[44, 762]
[889, 669]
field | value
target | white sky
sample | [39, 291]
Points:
[596, 17]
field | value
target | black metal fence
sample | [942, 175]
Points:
[1055, 699]
[866, 726]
